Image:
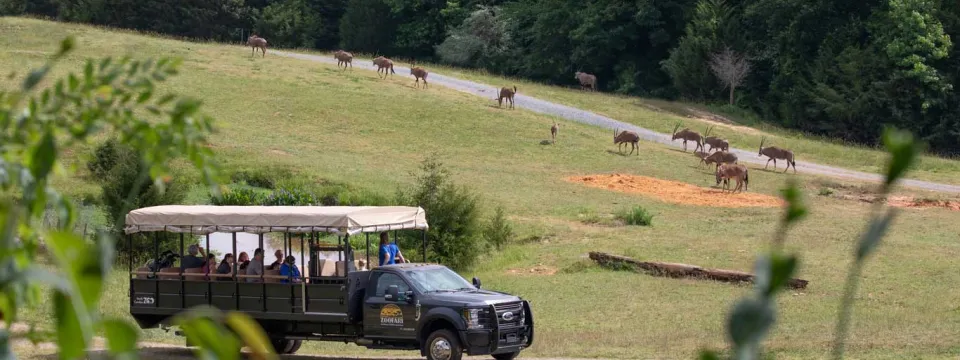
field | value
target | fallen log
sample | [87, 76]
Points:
[681, 270]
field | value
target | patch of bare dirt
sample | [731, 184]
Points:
[721, 121]
[279, 152]
[676, 192]
[540, 269]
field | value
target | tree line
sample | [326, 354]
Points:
[841, 69]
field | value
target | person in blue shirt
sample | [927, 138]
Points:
[389, 252]
[289, 269]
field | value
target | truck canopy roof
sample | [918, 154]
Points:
[205, 219]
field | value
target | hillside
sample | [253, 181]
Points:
[326, 125]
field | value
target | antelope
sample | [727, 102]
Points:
[419, 73]
[506, 93]
[687, 135]
[343, 58]
[715, 142]
[719, 158]
[586, 80]
[384, 64]
[775, 153]
[621, 138]
[256, 42]
[553, 132]
[739, 173]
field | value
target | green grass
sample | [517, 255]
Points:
[323, 125]
[744, 131]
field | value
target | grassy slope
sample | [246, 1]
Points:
[661, 116]
[356, 128]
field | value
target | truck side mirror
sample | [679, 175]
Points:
[408, 296]
[476, 282]
[392, 293]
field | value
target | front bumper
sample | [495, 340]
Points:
[498, 341]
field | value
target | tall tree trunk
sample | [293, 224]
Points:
[731, 94]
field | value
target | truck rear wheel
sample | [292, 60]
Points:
[282, 346]
[507, 356]
[443, 345]
[296, 346]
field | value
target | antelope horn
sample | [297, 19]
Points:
[677, 127]
[762, 140]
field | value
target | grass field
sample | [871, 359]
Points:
[323, 124]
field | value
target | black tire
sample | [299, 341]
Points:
[296, 346]
[281, 346]
[507, 356]
[439, 338]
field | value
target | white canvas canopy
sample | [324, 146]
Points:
[205, 219]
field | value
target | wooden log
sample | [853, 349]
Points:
[682, 270]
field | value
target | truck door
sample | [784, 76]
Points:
[388, 317]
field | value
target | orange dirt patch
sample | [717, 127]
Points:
[536, 270]
[908, 202]
[676, 192]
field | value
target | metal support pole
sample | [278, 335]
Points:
[181, 277]
[156, 278]
[368, 250]
[236, 265]
[424, 245]
[209, 270]
[263, 285]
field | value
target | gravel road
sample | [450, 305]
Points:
[586, 117]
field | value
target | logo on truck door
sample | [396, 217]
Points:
[391, 315]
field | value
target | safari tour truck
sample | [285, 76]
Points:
[409, 306]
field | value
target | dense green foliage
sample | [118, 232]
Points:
[836, 68]
[637, 215]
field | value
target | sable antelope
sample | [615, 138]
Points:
[775, 153]
[506, 93]
[688, 135]
[343, 58]
[586, 80]
[715, 142]
[553, 132]
[419, 73]
[719, 158]
[621, 138]
[256, 42]
[739, 173]
[384, 64]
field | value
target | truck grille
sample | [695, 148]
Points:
[514, 319]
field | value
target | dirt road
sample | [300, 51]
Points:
[586, 117]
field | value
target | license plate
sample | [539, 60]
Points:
[511, 338]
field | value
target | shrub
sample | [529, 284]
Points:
[636, 216]
[455, 237]
[291, 197]
[260, 178]
[498, 230]
[239, 196]
[825, 192]
[127, 186]
[104, 158]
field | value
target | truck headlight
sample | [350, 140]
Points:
[473, 318]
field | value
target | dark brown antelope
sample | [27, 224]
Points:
[715, 142]
[739, 173]
[586, 80]
[256, 42]
[419, 73]
[688, 135]
[719, 158]
[343, 58]
[622, 138]
[775, 153]
[553, 132]
[385, 65]
[506, 93]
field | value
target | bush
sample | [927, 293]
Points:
[636, 216]
[498, 230]
[260, 178]
[825, 192]
[104, 158]
[292, 197]
[455, 237]
[127, 186]
[239, 196]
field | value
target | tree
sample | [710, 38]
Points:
[730, 67]
[711, 26]
[479, 41]
[290, 23]
[367, 26]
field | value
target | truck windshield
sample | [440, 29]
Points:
[439, 279]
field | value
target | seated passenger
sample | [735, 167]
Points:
[362, 265]
[192, 261]
[290, 270]
[389, 252]
[256, 266]
[210, 265]
[276, 264]
[244, 261]
[226, 267]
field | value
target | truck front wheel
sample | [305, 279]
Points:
[507, 356]
[443, 345]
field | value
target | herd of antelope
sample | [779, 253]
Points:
[727, 167]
